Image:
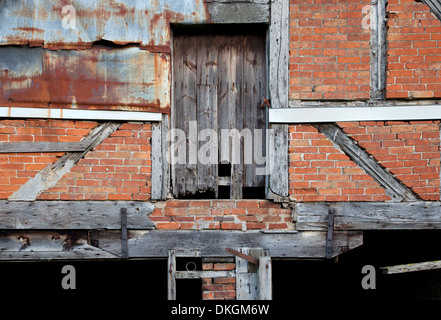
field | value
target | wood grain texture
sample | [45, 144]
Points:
[155, 243]
[219, 84]
[31, 147]
[73, 215]
[369, 216]
[378, 48]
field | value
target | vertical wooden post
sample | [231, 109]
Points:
[124, 234]
[265, 281]
[254, 282]
[378, 48]
[171, 275]
[279, 91]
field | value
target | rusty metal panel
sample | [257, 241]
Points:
[146, 22]
[45, 64]
[98, 78]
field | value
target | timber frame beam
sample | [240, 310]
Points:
[48, 230]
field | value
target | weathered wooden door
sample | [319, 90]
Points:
[219, 82]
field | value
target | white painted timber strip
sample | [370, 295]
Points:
[77, 114]
[343, 114]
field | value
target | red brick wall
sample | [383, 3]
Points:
[329, 50]
[223, 288]
[408, 150]
[414, 54]
[320, 172]
[17, 168]
[117, 169]
[222, 215]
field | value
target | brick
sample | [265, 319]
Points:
[198, 211]
[247, 204]
[224, 294]
[225, 280]
[175, 211]
[230, 226]
[224, 266]
[169, 226]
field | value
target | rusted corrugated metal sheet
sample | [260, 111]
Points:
[42, 64]
[122, 78]
[146, 22]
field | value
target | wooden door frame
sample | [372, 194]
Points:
[274, 13]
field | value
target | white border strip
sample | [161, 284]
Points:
[342, 114]
[77, 114]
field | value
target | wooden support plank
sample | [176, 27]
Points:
[124, 248]
[243, 256]
[157, 160]
[32, 147]
[265, 278]
[160, 159]
[378, 47]
[213, 243]
[74, 215]
[279, 54]
[369, 216]
[203, 274]
[41, 246]
[165, 128]
[51, 174]
[171, 284]
[412, 267]
[247, 274]
[279, 91]
[394, 188]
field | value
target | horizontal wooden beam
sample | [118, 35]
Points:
[74, 215]
[204, 274]
[344, 114]
[47, 245]
[158, 243]
[412, 267]
[369, 215]
[32, 147]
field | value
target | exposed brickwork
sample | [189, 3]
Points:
[222, 215]
[414, 54]
[219, 288]
[117, 169]
[408, 149]
[329, 50]
[17, 168]
[320, 172]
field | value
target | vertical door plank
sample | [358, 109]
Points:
[254, 90]
[178, 176]
[236, 111]
[207, 172]
[189, 116]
